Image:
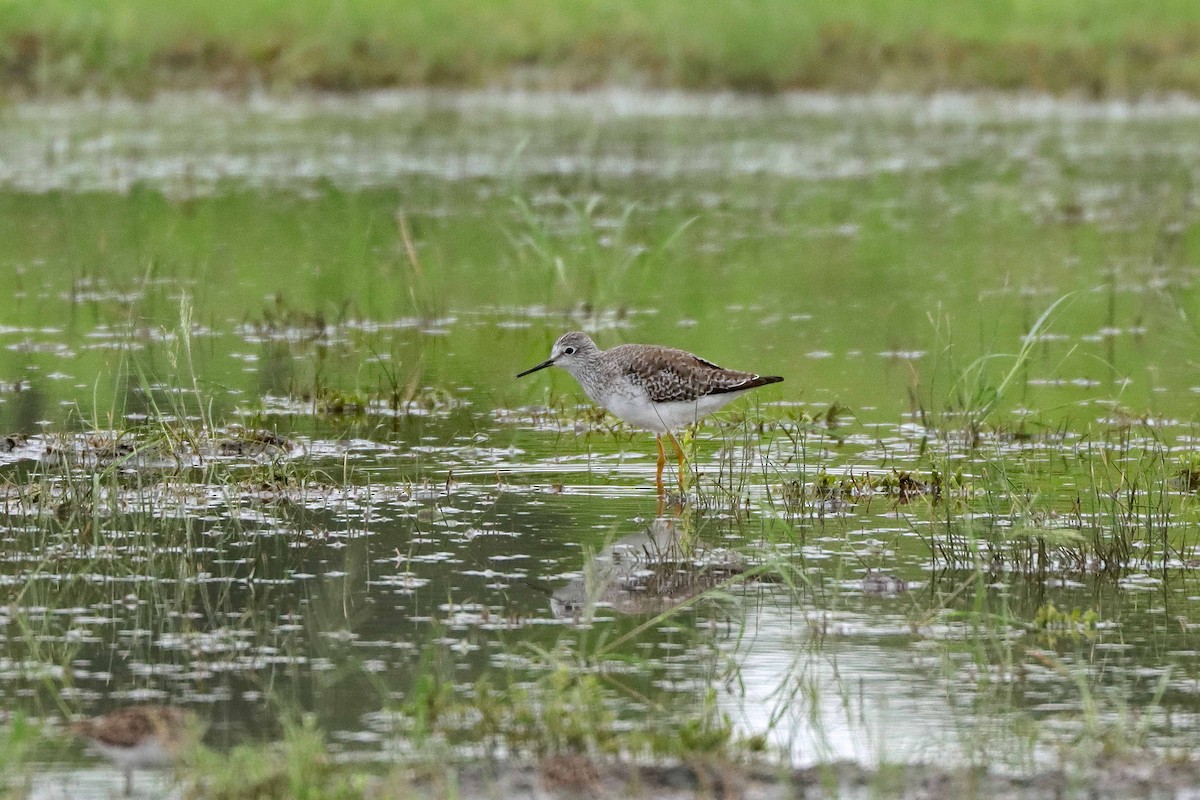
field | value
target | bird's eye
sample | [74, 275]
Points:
[568, 351]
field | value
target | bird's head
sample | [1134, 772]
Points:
[570, 351]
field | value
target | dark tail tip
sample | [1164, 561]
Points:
[763, 380]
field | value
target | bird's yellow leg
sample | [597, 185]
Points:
[679, 455]
[662, 462]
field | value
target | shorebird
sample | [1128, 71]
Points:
[140, 736]
[659, 389]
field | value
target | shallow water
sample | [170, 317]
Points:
[244, 261]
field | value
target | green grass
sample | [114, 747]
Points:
[299, 766]
[1109, 47]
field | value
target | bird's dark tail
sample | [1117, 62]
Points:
[753, 383]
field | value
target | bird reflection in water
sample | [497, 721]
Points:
[645, 573]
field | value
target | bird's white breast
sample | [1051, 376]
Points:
[635, 408]
[147, 753]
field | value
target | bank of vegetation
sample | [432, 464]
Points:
[1097, 48]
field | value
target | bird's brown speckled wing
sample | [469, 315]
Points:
[670, 375]
[127, 727]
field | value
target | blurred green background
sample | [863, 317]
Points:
[1095, 47]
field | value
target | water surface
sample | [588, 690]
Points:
[364, 275]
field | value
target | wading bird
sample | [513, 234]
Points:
[658, 389]
[137, 737]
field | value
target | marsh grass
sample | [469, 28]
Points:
[1111, 728]
[119, 521]
[977, 391]
[299, 765]
[1115, 506]
[766, 45]
[1112, 504]
[20, 743]
[588, 253]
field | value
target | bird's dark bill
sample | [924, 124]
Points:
[549, 362]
